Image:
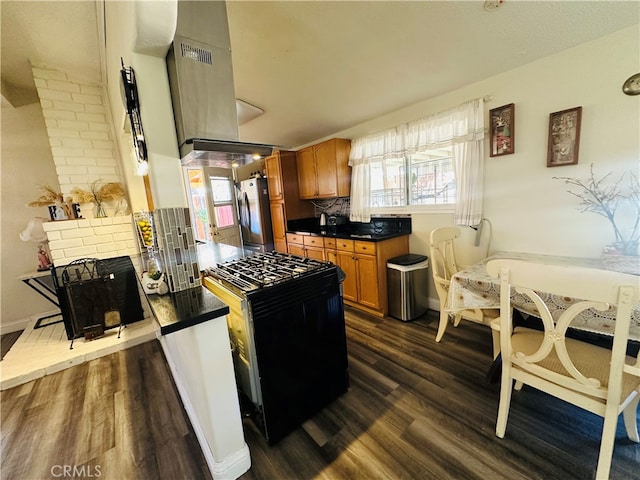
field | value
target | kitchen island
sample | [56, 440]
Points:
[195, 340]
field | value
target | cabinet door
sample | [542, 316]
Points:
[314, 252]
[331, 256]
[295, 249]
[274, 177]
[368, 292]
[326, 173]
[278, 226]
[306, 173]
[347, 263]
[280, 246]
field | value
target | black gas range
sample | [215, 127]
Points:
[287, 331]
[265, 270]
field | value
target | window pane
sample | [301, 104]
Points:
[388, 183]
[198, 197]
[425, 178]
[221, 188]
[224, 216]
[432, 178]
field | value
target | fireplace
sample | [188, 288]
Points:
[97, 295]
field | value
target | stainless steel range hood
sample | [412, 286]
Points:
[202, 91]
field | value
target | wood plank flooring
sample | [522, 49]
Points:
[415, 409]
[7, 340]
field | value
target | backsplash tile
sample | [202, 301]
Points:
[178, 248]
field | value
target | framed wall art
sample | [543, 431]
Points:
[502, 130]
[564, 137]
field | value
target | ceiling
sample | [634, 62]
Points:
[319, 67]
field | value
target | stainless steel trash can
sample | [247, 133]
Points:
[407, 283]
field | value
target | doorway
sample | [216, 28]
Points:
[212, 204]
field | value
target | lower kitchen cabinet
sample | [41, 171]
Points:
[295, 249]
[309, 246]
[365, 266]
[368, 290]
[347, 263]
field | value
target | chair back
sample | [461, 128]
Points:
[548, 356]
[443, 259]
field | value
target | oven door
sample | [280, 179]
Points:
[241, 339]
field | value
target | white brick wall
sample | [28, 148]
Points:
[95, 238]
[80, 132]
[83, 149]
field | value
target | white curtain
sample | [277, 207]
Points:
[463, 126]
[468, 170]
[360, 210]
[381, 145]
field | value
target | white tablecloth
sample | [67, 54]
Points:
[472, 287]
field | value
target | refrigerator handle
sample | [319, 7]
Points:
[246, 205]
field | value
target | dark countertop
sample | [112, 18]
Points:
[211, 254]
[180, 310]
[377, 230]
[368, 237]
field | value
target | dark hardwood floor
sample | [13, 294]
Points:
[415, 409]
[6, 341]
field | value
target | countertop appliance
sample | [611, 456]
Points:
[287, 331]
[333, 221]
[323, 222]
[255, 215]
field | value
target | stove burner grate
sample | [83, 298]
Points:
[264, 270]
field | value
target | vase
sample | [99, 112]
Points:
[100, 213]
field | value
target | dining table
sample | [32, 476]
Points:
[473, 287]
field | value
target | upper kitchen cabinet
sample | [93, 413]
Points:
[285, 204]
[323, 169]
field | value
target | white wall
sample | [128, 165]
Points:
[529, 210]
[140, 33]
[24, 143]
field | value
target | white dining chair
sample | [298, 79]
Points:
[443, 267]
[602, 381]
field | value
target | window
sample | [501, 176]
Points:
[424, 178]
[221, 189]
[198, 201]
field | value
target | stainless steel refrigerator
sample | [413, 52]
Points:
[255, 215]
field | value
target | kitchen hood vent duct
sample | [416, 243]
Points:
[202, 91]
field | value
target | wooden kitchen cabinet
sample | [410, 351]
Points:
[323, 169]
[279, 226]
[365, 266]
[314, 247]
[347, 262]
[295, 249]
[274, 180]
[368, 288]
[309, 246]
[284, 197]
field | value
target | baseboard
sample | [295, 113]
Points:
[231, 467]
[434, 304]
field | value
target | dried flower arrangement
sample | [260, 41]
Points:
[107, 192]
[605, 200]
[52, 197]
